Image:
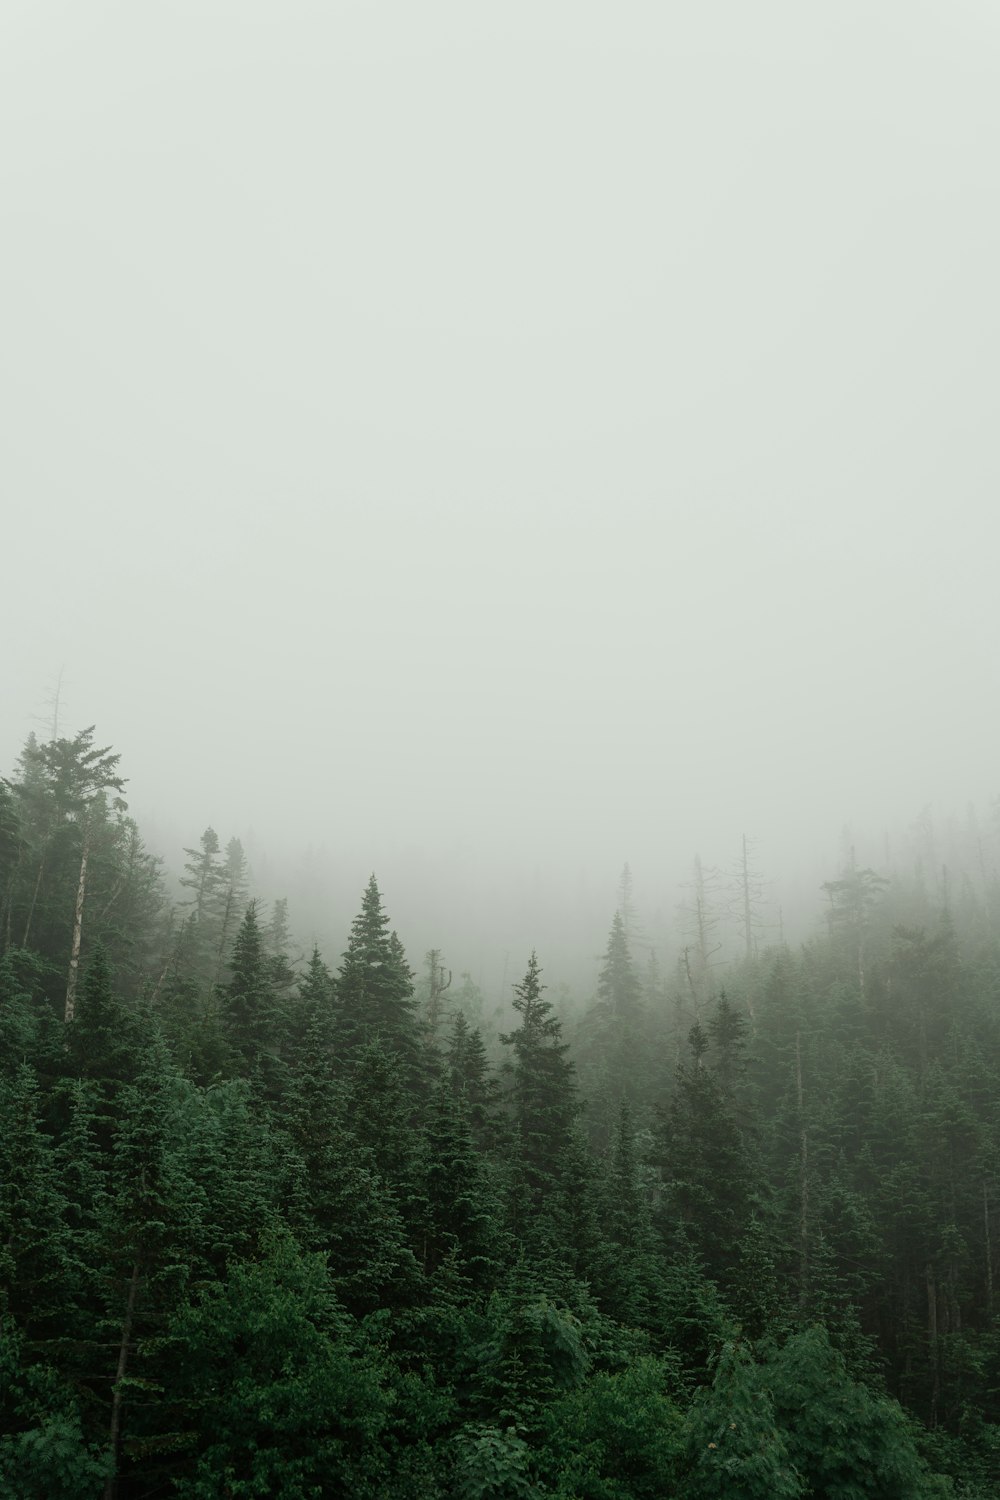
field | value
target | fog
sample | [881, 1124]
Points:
[487, 444]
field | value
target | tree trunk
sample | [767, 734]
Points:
[114, 1434]
[74, 958]
[34, 899]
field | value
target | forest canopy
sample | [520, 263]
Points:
[276, 1222]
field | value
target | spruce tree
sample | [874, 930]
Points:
[735, 1447]
[543, 1091]
[613, 1039]
[707, 1170]
[249, 1011]
[375, 986]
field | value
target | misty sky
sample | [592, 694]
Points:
[508, 439]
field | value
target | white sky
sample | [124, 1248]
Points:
[488, 443]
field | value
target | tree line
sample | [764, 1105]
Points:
[271, 1227]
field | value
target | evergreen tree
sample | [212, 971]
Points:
[736, 1450]
[205, 878]
[249, 1010]
[461, 1212]
[13, 847]
[613, 1043]
[312, 1019]
[468, 1070]
[34, 1243]
[271, 1388]
[226, 898]
[106, 1040]
[706, 1167]
[844, 1442]
[543, 1093]
[279, 942]
[375, 986]
[634, 1272]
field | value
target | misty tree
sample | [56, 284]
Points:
[13, 846]
[204, 878]
[747, 888]
[467, 1070]
[64, 792]
[612, 1040]
[374, 984]
[626, 905]
[543, 1090]
[227, 896]
[700, 915]
[469, 999]
[852, 901]
[706, 1164]
[279, 941]
[249, 1009]
[434, 988]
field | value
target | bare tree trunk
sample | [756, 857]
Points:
[74, 957]
[227, 915]
[747, 922]
[114, 1435]
[438, 985]
[34, 899]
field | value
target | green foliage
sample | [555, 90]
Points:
[106, 1040]
[272, 1393]
[707, 1168]
[734, 1446]
[846, 1442]
[536, 1346]
[249, 1010]
[264, 1239]
[374, 985]
[617, 1436]
[543, 1092]
[492, 1463]
[44, 1454]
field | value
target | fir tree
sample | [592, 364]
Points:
[248, 1007]
[543, 1092]
[375, 986]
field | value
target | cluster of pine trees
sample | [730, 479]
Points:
[277, 1231]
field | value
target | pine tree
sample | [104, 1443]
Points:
[706, 1167]
[279, 942]
[461, 1211]
[543, 1092]
[468, 1070]
[633, 1274]
[249, 1011]
[204, 877]
[613, 1045]
[63, 794]
[13, 847]
[106, 1041]
[312, 1016]
[227, 899]
[375, 986]
[845, 1442]
[270, 1389]
[34, 1244]
[736, 1449]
